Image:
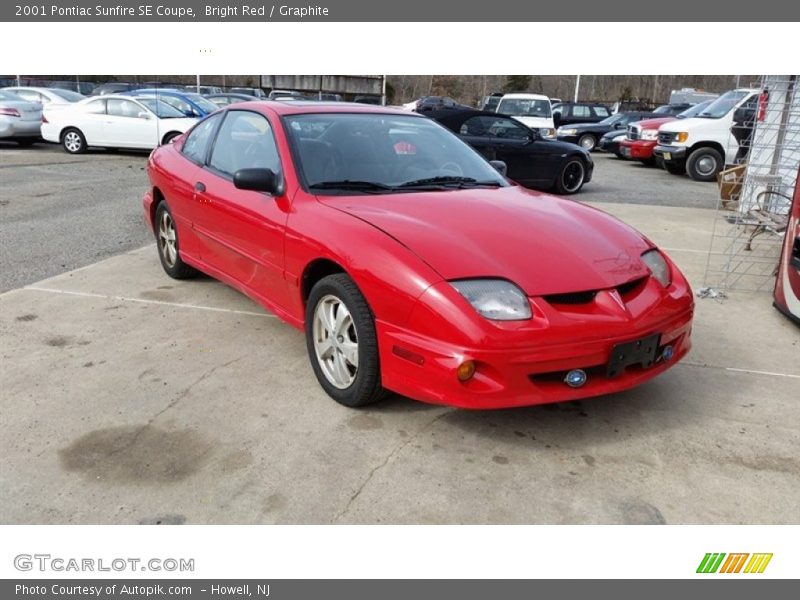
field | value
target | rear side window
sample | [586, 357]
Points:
[245, 141]
[124, 108]
[601, 111]
[96, 107]
[580, 111]
[195, 147]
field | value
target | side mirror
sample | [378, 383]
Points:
[500, 166]
[258, 180]
[618, 125]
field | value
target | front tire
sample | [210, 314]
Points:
[342, 343]
[571, 178]
[587, 141]
[73, 141]
[168, 247]
[704, 164]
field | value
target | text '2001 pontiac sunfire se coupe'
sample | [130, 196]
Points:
[410, 262]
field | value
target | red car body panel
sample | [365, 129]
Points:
[643, 149]
[402, 249]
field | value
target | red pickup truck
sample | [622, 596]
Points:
[642, 137]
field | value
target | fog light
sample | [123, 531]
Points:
[575, 378]
[465, 370]
[667, 353]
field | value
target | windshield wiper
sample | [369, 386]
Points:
[369, 187]
[449, 180]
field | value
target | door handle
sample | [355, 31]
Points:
[200, 186]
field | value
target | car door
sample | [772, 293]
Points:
[503, 138]
[129, 124]
[89, 118]
[241, 231]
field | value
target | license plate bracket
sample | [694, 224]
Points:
[667, 156]
[638, 352]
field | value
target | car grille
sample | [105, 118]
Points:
[633, 132]
[625, 290]
[666, 137]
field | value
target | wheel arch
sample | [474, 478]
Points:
[707, 144]
[316, 270]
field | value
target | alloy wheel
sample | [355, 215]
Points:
[167, 239]
[335, 341]
[72, 141]
[572, 177]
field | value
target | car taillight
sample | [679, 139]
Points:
[9, 112]
[44, 119]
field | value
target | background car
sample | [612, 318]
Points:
[533, 110]
[203, 89]
[49, 98]
[434, 103]
[530, 160]
[226, 98]
[368, 99]
[610, 142]
[641, 137]
[249, 91]
[114, 87]
[565, 113]
[115, 121]
[285, 95]
[20, 120]
[491, 101]
[189, 104]
[586, 135]
[672, 109]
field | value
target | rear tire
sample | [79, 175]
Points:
[168, 246]
[704, 164]
[571, 177]
[342, 343]
[73, 141]
[169, 137]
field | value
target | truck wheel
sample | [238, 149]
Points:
[704, 164]
[676, 168]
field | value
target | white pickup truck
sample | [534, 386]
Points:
[703, 145]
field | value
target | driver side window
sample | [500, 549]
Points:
[245, 141]
[494, 127]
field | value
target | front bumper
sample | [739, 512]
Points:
[638, 149]
[671, 153]
[572, 139]
[530, 372]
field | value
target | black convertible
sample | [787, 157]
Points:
[530, 160]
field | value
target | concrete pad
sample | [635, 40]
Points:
[127, 397]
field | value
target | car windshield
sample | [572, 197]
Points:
[205, 104]
[613, 119]
[68, 95]
[161, 108]
[383, 153]
[723, 105]
[523, 107]
[695, 110]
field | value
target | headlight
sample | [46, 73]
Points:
[495, 299]
[547, 132]
[682, 136]
[649, 134]
[567, 131]
[658, 266]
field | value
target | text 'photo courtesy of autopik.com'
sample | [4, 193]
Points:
[442, 330]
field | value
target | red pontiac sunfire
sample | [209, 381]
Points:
[410, 262]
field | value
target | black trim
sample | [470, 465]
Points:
[213, 137]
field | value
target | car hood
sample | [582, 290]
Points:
[614, 133]
[536, 122]
[655, 123]
[544, 244]
[698, 124]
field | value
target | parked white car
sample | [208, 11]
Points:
[115, 121]
[49, 98]
[703, 145]
[533, 110]
[20, 120]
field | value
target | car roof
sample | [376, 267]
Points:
[522, 96]
[299, 107]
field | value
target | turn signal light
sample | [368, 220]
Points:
[682, 136]
[465, 370]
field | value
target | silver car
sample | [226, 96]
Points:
[20, 120]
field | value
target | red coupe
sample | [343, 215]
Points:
[411, 263]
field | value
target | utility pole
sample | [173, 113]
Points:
[198, 84]
[577, 86]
